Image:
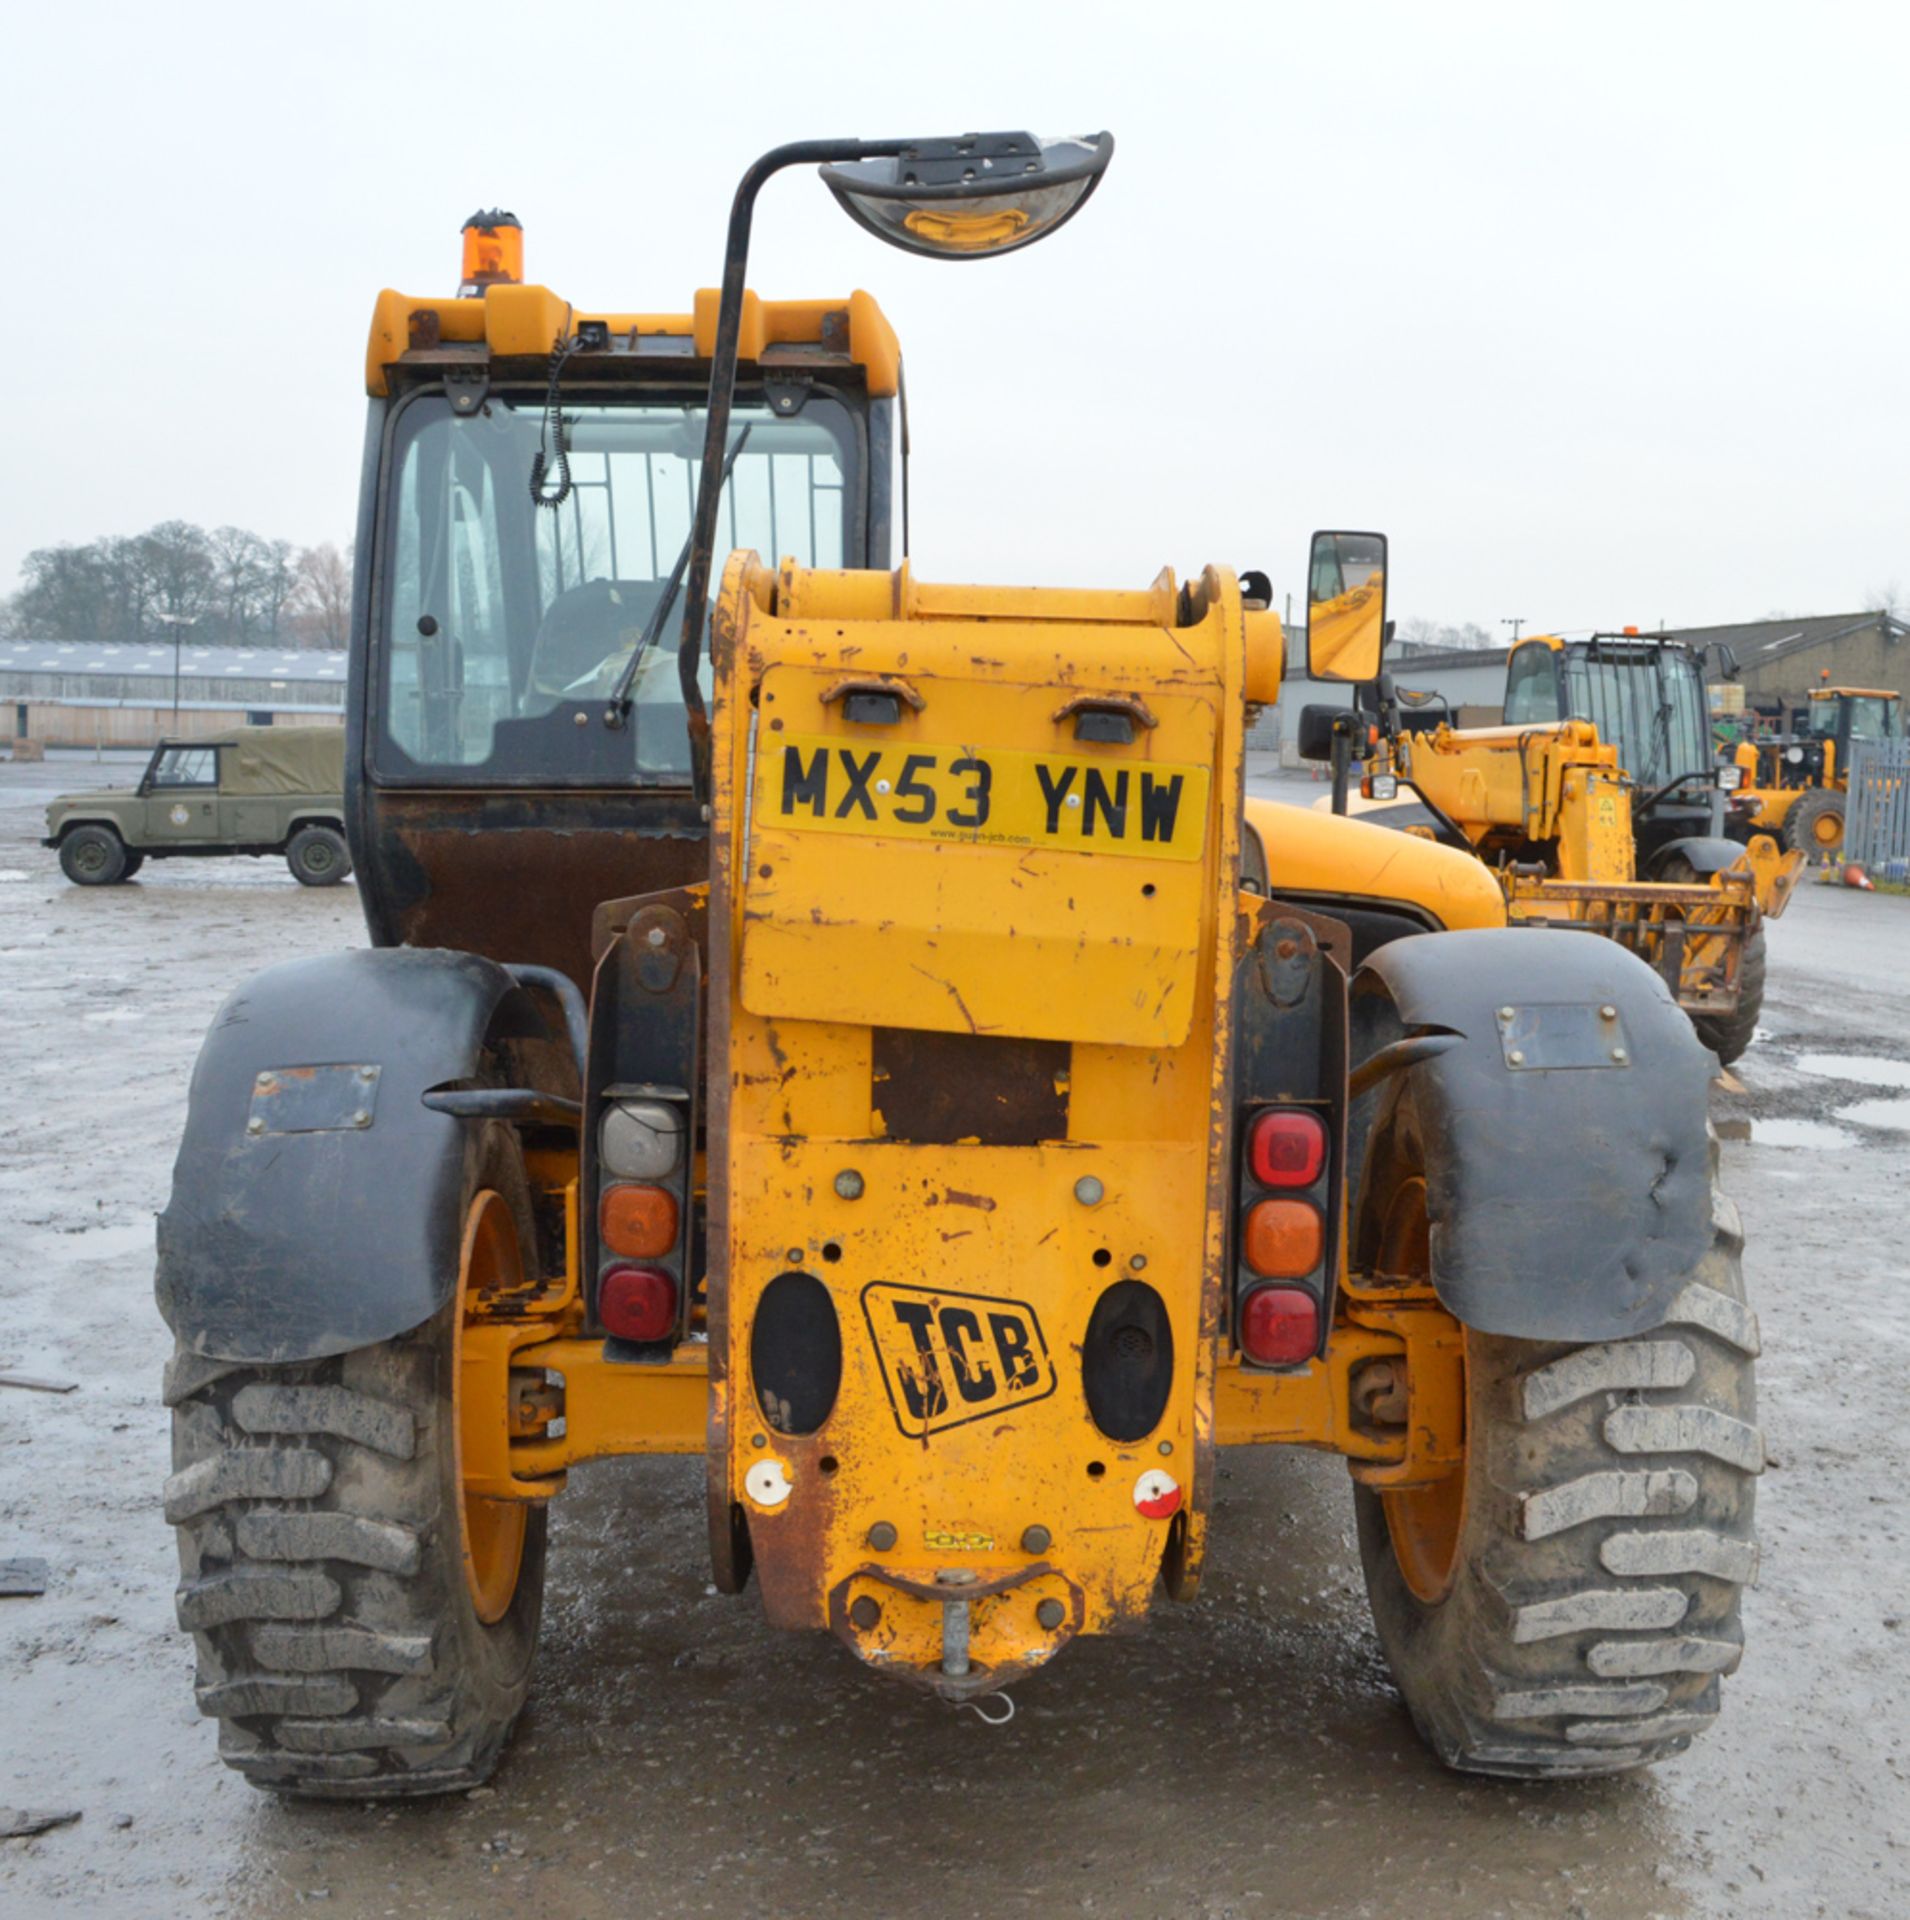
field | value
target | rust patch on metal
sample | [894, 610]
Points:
[934, 1089]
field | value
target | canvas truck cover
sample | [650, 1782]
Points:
[283, 760]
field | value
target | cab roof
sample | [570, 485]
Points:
[431, 334]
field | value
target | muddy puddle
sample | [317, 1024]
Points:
[1864, 1069]
[1833, 1129]
[1812, 1135]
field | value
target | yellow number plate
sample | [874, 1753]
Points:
[983, 795]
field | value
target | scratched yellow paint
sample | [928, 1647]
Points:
[1045, 941]
[964, 1275]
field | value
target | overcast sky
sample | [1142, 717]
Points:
[1601, 311]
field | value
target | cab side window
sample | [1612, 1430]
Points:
[1532, 688]
[187, 767]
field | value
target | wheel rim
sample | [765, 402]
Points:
[1425, 1524]
[317, 858]
[90, 857]
[492, 1531]
[1828, 828]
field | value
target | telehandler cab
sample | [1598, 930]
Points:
[1599, 803]
[849, 1036]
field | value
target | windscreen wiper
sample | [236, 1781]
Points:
[617, 707]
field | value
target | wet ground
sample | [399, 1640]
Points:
[1245, 1756]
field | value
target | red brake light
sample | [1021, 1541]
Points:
[637, 1303]
[1286, 1147]
[1279, 1326]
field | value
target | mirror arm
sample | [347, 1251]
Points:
[709, 490]
[1342, 762]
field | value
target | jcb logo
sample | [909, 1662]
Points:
[952, 1357]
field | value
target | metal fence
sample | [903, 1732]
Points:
[1877, 819]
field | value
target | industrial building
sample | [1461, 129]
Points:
[77, 694]
[1780, 661]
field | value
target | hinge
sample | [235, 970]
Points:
[466, 388]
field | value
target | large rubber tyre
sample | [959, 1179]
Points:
[1602, 1535]
[134, 861]
[1729, 1034]
[93, 857]
[1815, 825]
[1726, 1034]
[321, 1552]
[318, 857]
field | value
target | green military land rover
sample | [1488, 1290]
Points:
[253, 790]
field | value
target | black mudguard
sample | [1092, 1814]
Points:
[1568, 1193]
[1707, 855]
[321, 1210]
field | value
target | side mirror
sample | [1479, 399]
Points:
[1346, 606]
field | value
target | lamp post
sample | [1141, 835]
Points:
[963, 198]
[1515, 623]
[178, 622]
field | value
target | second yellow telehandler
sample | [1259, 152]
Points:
[1599, 805]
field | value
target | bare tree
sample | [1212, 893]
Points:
[323, 596]
[177, 560]
[278, 584]
[232, 585]
[1422, 632]
[1886, 599]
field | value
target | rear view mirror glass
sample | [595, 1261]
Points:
[1346, 606]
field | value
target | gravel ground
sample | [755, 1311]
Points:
[1243, 1756]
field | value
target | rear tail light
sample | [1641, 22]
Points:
[1286, 1147]
[640, 1140]
[640, 1223]
[1284, 1235]
[1285, 1239]
[637, 1304]
[1279, 1326]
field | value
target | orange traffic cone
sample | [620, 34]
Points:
[1855, 876]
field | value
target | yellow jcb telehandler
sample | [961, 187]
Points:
[1598, 803]
[842, 1029]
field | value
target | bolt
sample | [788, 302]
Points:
[795, 1256]
[1620, 1055]
[368, 1074]
[581, 719]
[1516, 1057]
[656, 936]
[882, 1536]
[1508, 1013]
[1050, 1614]
[1608, 1013]
[1139, 1262]
[864, 1613]
[759, 1440]
[848, 1184]
[255, 1125]
[1167, 1446]
[361, 1118]
[1088, 1190]
[1036, 1540]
